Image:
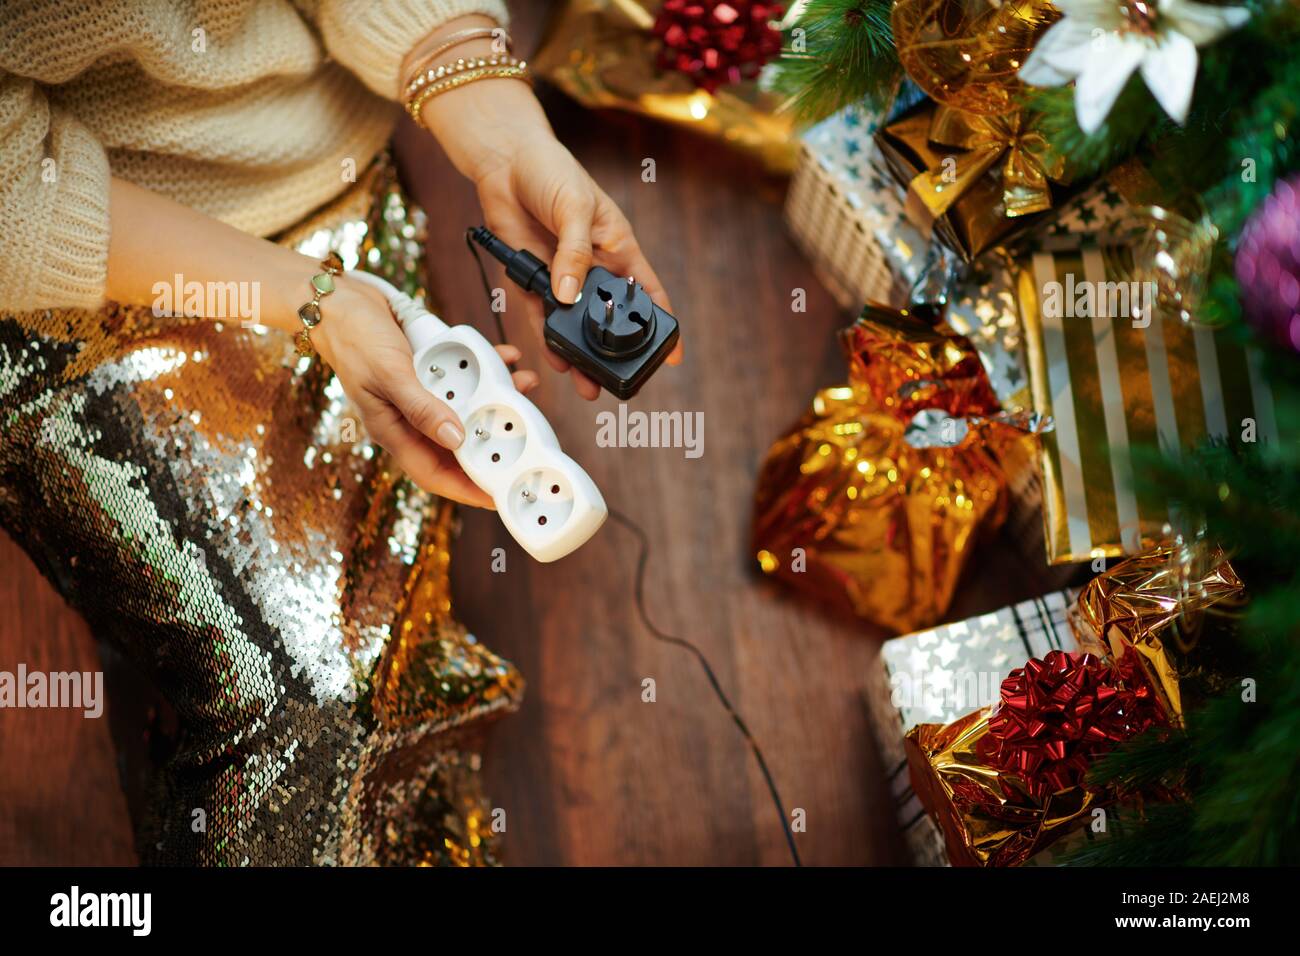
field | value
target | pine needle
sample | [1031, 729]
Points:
[847, 56]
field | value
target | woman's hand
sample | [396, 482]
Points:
[358, 336]
[535, 195]
[538, 197]
[363, 344]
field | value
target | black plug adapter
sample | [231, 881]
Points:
[613, 332]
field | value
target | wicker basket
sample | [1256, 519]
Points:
[834, 229]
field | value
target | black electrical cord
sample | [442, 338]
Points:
[643, 561]
[487, 286]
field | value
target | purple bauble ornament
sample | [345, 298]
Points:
[1268, 265]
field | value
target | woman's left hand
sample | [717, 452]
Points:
[536, 196]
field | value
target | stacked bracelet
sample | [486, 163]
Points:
[322, 284]
[464, 36]
[461, 64]
[434, 82]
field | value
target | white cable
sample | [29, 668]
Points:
[416, 321]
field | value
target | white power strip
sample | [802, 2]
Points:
[547, 502]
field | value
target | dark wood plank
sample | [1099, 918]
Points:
[60, 797]
[587, 772]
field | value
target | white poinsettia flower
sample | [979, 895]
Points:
[1099, 43]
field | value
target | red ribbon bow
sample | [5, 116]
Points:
[715, 42]
[1058, 714]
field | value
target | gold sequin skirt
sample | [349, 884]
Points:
[212, 505]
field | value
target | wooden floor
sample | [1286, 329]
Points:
[587, 772]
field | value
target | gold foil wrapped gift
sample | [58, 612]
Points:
[975, 181]
[966, 53]
[940, 674]
[1166, 613]
[1116, 371]
[876, 498]
[605, 54]
[1144, 620]
[988, 818]
[975, 168]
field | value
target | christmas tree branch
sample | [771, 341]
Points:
[838, 52]
[1236, 761]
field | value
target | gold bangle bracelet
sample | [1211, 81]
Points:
[322, 284]
[464, 36]
[459, 66]
[416, 103]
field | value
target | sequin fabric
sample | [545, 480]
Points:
[213, 506]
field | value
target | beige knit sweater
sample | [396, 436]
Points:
[246, 110]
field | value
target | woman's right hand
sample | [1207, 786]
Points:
[365, 347]
[155, 237]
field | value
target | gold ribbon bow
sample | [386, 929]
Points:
[1028, 167]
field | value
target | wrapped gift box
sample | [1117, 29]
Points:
[604, 54]
[984, 306]
[975, 223]
[889, 483]
[846, 215]
[994, 779]
[1147, 614]
[1111, 382]
[939, 674]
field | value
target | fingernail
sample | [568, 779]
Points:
[568, 288]
[449, 435]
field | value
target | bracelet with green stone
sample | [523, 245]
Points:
[322, 284]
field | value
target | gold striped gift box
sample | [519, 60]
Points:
[1112, 382]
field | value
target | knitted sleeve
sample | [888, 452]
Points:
[372, 37]
[54, 182]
